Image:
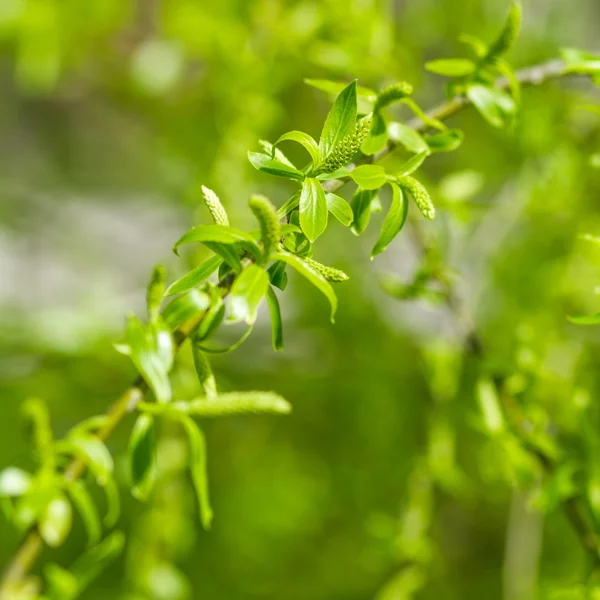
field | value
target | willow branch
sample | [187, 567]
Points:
[32, 546]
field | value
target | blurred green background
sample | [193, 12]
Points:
[381, 483]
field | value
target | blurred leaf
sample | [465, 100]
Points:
[142, 457]
[185, 307]
[92, 452]
[445, 141]
[494, 105]
[489, 404]
[580, 61]
[246, 294]
[155, 292]
[276, 322]
[451, 67]
[340, 121]
[157, 66]
[585, 319]
[393, 222]
[85, 506]
[317, 280]
[412, 164]
[507, 37]
[14, 482]
[407, 137]
[340, 209]
[198, 468]
[273, 166]
[56, 521]
[369, 177]
[335, 87]
[313, 209]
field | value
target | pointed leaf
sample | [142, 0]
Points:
[393, 222]
[313, 209]
[306, 141]
[340, 121]
[276, 322]
[85, 506]
[246, 293]
[361, 209]
[273, 166]
[315, 278]
[451, 67]
[445, 141]
[142, 457]
[194, 277]
[412, 164]
[407, 137]
[219, 234]
[340, 209]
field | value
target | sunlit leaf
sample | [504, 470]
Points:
[393, 222]
[340, 209]
[273, 166]
[306, 141]
[335, 87]
[219, 234]
[412, 164]
[451, 67]
[369, 177]
[378, 136]
[407, 137]
[194, 277]
[361, 210]
[313, 209]
[340, 120]
[246, 294]
[494, 105]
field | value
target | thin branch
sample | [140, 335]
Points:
[32, 546]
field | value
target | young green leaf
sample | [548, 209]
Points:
[340, 209]
[273, 166]
[246, 293]
[155, 292]
[445, 141]
[197, 459]
[219, 234]
[289, 206]
[211, 320]
[489, 404]
[194, 277]
[142, 457]
[306, 141]
[87, 509]
[91, 451]
[361, 209]
[185, 307]
[203, 370]
[505, 41]
[407, 137]
[340, 121]
[277, 275]
[369, 177]
[276, 321]
[337, 174]
[393, 222]
[146, 358]
[377, 137]
[451, 67]
[313, 209]
[315, 278]
[335, 87]
[216, 209]
[56, 521]
[412, 164]
[494, 105]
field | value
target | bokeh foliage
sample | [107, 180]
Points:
[114, 115]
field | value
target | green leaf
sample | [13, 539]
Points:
[144, 353]
[340, 209]
[445, 141]
[412, 164]
[61, 583]
[335, 87]
[219, 234]
[378, 136]
[276, 322]
[306, 141]
[407, 137]
[155, 292]
[187, 306]
[393, 222]
[14, 482]
[337, 174]
[478, 46]
[361, 209]
[279, 155]
[56, 521]
[580, 61]
[313, 209]
[142, 457]
[489, 404]
[211, 320]
[246, 293]
[194, 277]
[85, 506]
[585, 319]
[369, 177]
[277, 275]
[203, 369]
[289, 206]
[317, 280]
[92, 451]
[451, 67]
[494, 105]
[230, 253]
[419, 112]
[229, 348]
[273, 166]
[197, 460]
[508, 35]
[340, 121]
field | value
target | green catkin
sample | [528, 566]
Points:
[343, 152]
[393, 93]
[266, 215]
[216, 209]
[330, 273]
[507, 36]
[420, 195]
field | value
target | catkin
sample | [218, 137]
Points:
[266, 216]
[330, 273]
[216, 209]
[392, 93]
[343, 152]
[420, 195]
